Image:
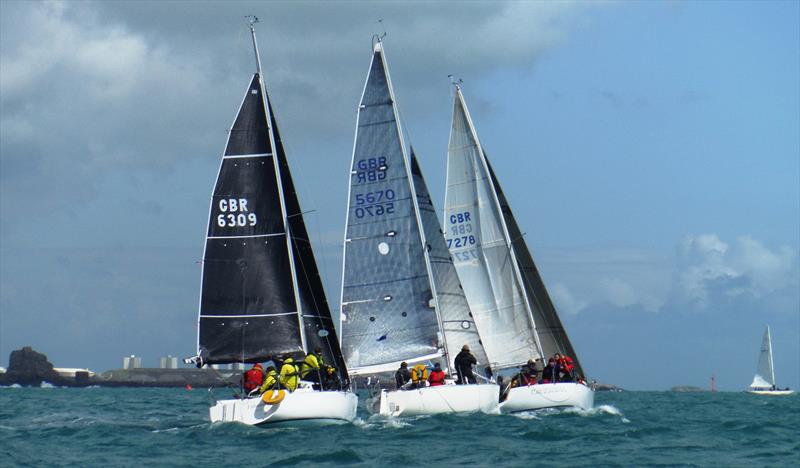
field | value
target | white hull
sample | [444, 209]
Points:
[440, 399]
[771, 392]
[551, 395]
[301, 405]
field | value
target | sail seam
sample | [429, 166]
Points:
[248, 316]
[240, 156]
[247, 237]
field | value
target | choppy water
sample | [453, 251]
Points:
[170, 427]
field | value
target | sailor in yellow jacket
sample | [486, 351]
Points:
[311, 366]
[419, 376]
[289, 376]
[270, 379]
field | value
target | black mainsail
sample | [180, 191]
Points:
[262, 294]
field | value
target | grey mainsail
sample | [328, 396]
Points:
[392, 308]
[261, 294]
[515, 316]
[765, 372]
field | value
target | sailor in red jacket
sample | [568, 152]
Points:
[253, 378]
[566, 366]
[437, 376]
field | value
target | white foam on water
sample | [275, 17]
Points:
[602, 409]
[525, 415]
[47, 385]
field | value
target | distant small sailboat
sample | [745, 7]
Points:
[513, 312]
[764, 380]
[401, 300]
[262, 296]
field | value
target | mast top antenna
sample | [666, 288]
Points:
[376, 38]
[251, 19]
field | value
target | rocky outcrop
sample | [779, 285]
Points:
[29, 368]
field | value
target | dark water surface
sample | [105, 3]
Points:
[170, 427]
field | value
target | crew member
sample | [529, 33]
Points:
[464, 362]
[567, 366]
[270, 380]
[419, 375]
[402, 376]
[330, 379]
[549, 371]
[253, 378]
[311, 365]
[289, 375]
[437, 376]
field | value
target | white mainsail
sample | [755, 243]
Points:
[482, 252]
[765, 372]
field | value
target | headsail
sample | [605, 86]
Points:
[261, 292]
[765, 372]
[391, 309]
[515, 316]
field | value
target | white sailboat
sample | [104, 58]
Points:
[401, 299]
[262, 296]
[513, 312]
[764, 380]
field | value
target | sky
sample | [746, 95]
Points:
[650, 151]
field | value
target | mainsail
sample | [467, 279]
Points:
[765, 372]
[397, 292]
[516, 318]
[261, 291]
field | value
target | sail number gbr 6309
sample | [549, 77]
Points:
[235, 213]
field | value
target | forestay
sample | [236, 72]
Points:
[765, 373]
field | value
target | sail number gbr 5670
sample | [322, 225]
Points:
[235, 213]
[376, 202]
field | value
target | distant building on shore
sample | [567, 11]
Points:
[131, 362]
[169, 362]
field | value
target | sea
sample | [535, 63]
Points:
[147, 427]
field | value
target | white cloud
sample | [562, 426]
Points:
[709, 267]
[564, 300]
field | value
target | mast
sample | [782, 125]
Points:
[253, 20]
[496, 201]
[771, 364]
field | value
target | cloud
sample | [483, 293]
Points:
[711, 269]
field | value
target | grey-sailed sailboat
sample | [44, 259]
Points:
[764, 380]
[262, 296]
[513, 312]
[401, 298]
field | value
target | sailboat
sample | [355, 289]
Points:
[401, 299]
[513, 312]
[764, 380]
[262, 296]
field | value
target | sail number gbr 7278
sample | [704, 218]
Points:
[235, 213]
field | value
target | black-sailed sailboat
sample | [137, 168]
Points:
[262, 296]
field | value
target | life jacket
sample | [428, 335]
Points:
[253, 378]
[528, 379]
[567, 364]
[436, 378]
[289, 378]
[312, 362]
[270, 380]
[419, 373]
